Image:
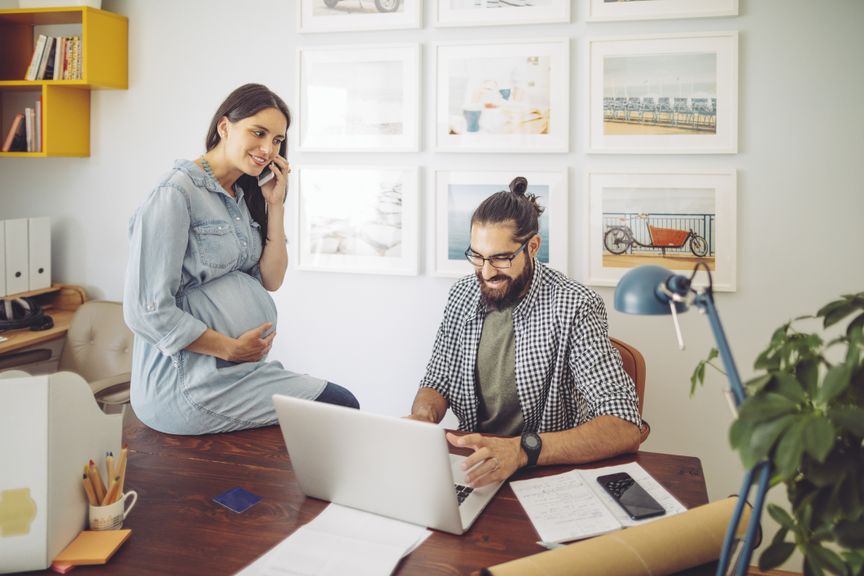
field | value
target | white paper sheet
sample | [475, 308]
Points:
[341, 541]
[572, 505]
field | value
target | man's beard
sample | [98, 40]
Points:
[510, 293]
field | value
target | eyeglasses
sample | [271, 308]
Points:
[499, 261]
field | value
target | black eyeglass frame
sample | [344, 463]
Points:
[495, 261]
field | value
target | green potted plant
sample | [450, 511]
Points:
[804, 412]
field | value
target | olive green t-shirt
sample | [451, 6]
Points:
[499, 411]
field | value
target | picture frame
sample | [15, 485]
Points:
[669, 219]
[356, 219]
[608, 10]
[459, 192]
[664, 94]
[498, 13]
[502, 97]
[353, 15]
[358, 98]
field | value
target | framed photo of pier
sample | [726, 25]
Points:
[673, 220]
[655, 9]
[664, 94]
[358, 98]
[459, 192]
[362, 219]
[351, 15]
[500, 12]
[502, 97]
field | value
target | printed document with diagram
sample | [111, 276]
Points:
[572, 505]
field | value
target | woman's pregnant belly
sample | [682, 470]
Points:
[231, 304]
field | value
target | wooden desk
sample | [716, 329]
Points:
[177, 529]
[59, 302]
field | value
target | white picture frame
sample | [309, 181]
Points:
[671, 202]
[664, 94]
[499, 13]
[353, 15]
[459, 192]
[609, 10]
[358, 98]
[356, 219]
[502, 97]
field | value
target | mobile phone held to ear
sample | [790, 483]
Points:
[631, 496]
[265, 176]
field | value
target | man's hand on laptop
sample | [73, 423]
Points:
[494, 459]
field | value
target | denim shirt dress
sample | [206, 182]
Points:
[193, 264]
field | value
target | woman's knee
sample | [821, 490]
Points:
[336, 394]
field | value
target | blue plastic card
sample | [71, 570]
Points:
[237, 499]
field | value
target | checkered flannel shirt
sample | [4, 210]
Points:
[567, 371]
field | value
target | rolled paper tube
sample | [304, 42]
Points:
[664, 546]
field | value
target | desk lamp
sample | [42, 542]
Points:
[653, 290]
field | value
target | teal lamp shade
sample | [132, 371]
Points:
[646, 291]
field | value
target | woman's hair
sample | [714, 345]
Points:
[511, 206]
[246, 101]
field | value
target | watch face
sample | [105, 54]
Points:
[531, 441]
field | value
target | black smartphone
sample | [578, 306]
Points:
[631, 496]
[265, 176]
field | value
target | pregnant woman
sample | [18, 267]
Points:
[205, 247]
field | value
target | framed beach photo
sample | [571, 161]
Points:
[457, 195]
[673, 220]
[351, 15]
[359, 98]
[499, 12]
[669, 94]
[503, 97]
[655, 9]
[360, 219]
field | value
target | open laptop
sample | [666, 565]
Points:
[390, 466]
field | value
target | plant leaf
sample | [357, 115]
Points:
[856, 327]
[836, 381]
[775, 555]
[788, 385]
[765, 407]
[850, 534]
[849, 418]
[756, 385]
[818, 437]
[790, 449]
[780, 516]
[764, 436]
[808, 374]
[827, 558]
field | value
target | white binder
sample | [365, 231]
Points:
[51, 426]
[17, 256]
[2, 258]
[39, 242]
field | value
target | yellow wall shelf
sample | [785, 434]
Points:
[65, 103]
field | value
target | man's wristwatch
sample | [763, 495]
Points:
[531, 444]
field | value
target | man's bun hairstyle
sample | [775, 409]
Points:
[515, 206]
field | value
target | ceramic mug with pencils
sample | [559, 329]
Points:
[111, 516]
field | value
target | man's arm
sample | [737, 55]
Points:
[429, 406]
[498, 458]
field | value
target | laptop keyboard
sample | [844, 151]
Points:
[462, 492]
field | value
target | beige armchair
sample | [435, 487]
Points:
[98, 347]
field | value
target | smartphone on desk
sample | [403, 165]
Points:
[631, 496]
[265, 176]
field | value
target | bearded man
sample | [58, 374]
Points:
[523, 354]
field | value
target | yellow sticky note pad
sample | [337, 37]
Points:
[92, 547]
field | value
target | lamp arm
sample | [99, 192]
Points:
[704, 300]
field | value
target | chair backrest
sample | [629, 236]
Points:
[98, 344]
[634, 365]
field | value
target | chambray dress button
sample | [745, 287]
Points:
[236, 218]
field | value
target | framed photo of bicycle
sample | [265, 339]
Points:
[500, 12]
[459, 192]
[673, 220]
[502, 97]
[654, 9]
[664, 94]
[351, 15]
[362, 219]
[358, 98]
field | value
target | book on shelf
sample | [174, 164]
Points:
[36, 59]
[13, 136]
[57, 73]
[37, 129]
[47, 71]
[46, 57]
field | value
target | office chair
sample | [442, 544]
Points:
[98, 347]
[634, 365]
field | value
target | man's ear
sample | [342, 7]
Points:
[534, 245]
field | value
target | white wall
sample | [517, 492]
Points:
[800, 199]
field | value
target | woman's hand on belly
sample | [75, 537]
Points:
[251, 346]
